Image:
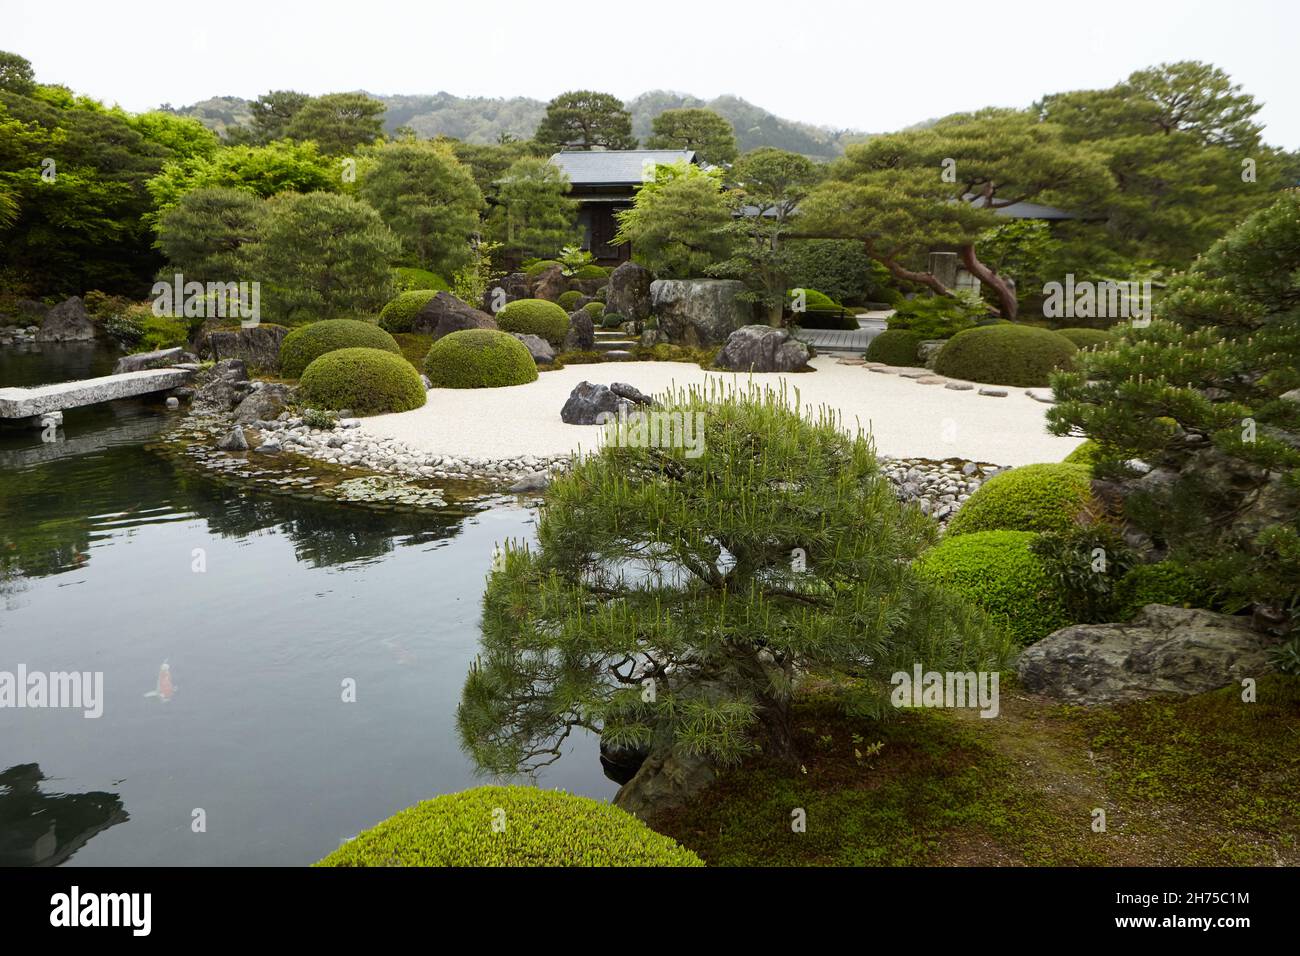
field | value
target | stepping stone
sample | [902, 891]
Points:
[866, 364]
[959, 386]
[850, 361]
[884, 369]
[994, 392]
[617, 355]
[1041, 395]
[930, 380]
[917, 375]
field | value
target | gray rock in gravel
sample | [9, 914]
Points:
[762, 348]
[591, 404]
[1044, 395]
[1163, 650]
[536, 482]
[699, 311]
[538, 348]
[632, 394]
[234, 440]
[994, 392]
[271, 446]
[959, 386]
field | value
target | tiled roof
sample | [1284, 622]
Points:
[614, 166]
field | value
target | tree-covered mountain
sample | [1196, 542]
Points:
[477, 119]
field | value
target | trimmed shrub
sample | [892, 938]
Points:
[1046, 497]
[895, 347]
[1085, 454]
[542, 828]
[368, 381]
[568, 301]
[591, 271]
[596, 310]
[602, 294]
[538, 267]
[1005, 355]
[1164, 582]
[937, 316]
[407, 279]
[998, 573]
[399, 313]
[479, 358]
[1085, 338]
[535, 317]
[610, 320]
[304, 345]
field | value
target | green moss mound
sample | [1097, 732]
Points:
[1005, 355]
[596, 310]
[535, 317]
[479, 358]
[304, 345]
[538, 267]
[1164, 582]
[1085, 338]
[894, 347]
[996, 571]
[1085, 454]
[399, 313]
[1046, 497]
[568, 301]
[591, 271]
[406, 279]
[511, 826]
[368, 381]
[610, 320]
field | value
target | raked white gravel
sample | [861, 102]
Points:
[905, 417]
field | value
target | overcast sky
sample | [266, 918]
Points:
[863, 64]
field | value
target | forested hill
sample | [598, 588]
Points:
[483, 120]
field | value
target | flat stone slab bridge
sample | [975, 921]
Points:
[33, 403]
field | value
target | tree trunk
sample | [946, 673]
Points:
[1005, 293]
[926, 279]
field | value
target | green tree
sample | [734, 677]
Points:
[274, 111]
[678, 223]
[770, 184]
[704, 131]
[16, 74]
[1206, 395]
[427, 198]
[531, 213]
[205, 234]
[675, 599]
[585, 119]
[321, 256]
[338, 122]
[185, 137]
[488, 162]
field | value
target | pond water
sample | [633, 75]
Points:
[264, 610]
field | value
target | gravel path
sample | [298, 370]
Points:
[906, 418]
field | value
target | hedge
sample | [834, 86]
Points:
[1085, 338]
[368, 381]
[511, 826]
[996, 571]
[1005, 355]
[407, 279]
[1046, 497]
[304, 345]
[399, 313]
[479, 358]
[895, 347]
[535, 317]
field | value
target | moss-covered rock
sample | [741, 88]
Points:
[304, 345]
[1046, 497]
[997, 572]
[401, 311]
[368, 381]
[479, 358]
[1005, 355]
[535, 317]
[895, 347]
[511, 826]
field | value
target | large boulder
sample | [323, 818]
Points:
[512, 287]
[140, 361]
[1164, 650]
[67, 322]
[590, 404]
[220, 388]
[699, 311]
[257, 346]
[550, 284]
[538, 348]
[762, 348]
[444, 314]
[581, 336]
[265, 402]
[629, 292]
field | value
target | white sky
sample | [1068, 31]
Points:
[865, 65]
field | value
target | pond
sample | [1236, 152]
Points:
[229, 628]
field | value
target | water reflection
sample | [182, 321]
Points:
[45, 829]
